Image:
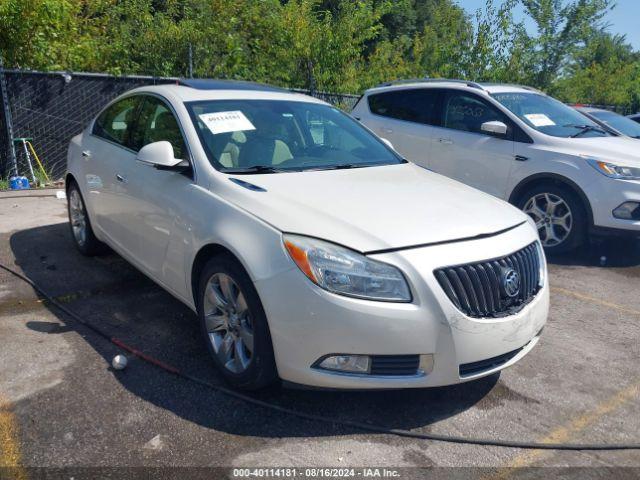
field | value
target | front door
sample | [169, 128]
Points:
[461, 150]
[162, 199]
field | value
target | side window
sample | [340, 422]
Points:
[418, 105]
[156, 123]
[115, 122]
[466, 112]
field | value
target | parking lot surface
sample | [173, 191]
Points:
[61, 404]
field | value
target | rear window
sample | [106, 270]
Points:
[418, 105]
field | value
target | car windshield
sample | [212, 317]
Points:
[273, 136]
[622, 124]
[549, 116]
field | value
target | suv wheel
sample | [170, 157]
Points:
[234, 325]
[80, 225]
[559, 215]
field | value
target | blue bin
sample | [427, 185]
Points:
[18, 183]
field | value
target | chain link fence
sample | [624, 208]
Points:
[51, 107]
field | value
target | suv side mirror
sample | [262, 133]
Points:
[494, 128]
[160, 155]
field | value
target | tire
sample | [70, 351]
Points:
[80, 225]
[237, 336]
[549, 204]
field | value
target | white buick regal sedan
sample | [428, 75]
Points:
[310, 250]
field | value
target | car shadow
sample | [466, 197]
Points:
[613, 252]
[110, 294]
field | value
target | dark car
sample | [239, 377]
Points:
[613, 122]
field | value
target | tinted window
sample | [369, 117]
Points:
[622, 124]
[418, 105]
[467, 112]
[549, 115]
[156, 123]
[284, 134]
[115, 122]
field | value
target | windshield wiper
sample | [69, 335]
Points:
[345, 166]
[585, 129]
[256, 169]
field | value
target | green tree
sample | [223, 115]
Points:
[562, 27]
[606, 71]
[43, 34]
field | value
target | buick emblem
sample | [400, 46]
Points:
[510, 282]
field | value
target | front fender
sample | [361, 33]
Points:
[255, 244]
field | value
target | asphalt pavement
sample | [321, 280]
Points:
[62, 405]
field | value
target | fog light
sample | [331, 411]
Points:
[628, 211]
[426, 364]
[346, 363]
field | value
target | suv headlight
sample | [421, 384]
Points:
[345, 272]
[612, 170]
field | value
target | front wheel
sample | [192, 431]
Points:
[234, 324]
[559, 215]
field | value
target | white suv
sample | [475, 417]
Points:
[309, 249]
[564, 170]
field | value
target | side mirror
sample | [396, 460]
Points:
[388, 143]
[160, 155]
[494, 128]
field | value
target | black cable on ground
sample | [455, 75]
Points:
[320, 418]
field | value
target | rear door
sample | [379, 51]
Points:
[461, 150]
[405, 117]
[108, 156]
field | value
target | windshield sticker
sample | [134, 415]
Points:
[540, 120]
[223, 122]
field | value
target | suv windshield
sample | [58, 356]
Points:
[549, 116]
[272, 136]
[622, 124]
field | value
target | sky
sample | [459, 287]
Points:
[623, 19]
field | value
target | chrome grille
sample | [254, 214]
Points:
[477, 290]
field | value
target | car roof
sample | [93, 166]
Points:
[452, 83]
[202, 89]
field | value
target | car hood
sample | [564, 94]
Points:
[615, 149]
[373, 208]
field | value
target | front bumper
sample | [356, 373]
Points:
[307, 322]
[608, 194]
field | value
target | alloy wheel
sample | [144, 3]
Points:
[78, 217]
[228, 323]
[553, 218]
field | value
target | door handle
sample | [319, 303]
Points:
[86, 153]
[445, 141]
[521, 158]
[120, 178]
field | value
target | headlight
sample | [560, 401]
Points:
[345, 272]
[612, 170]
